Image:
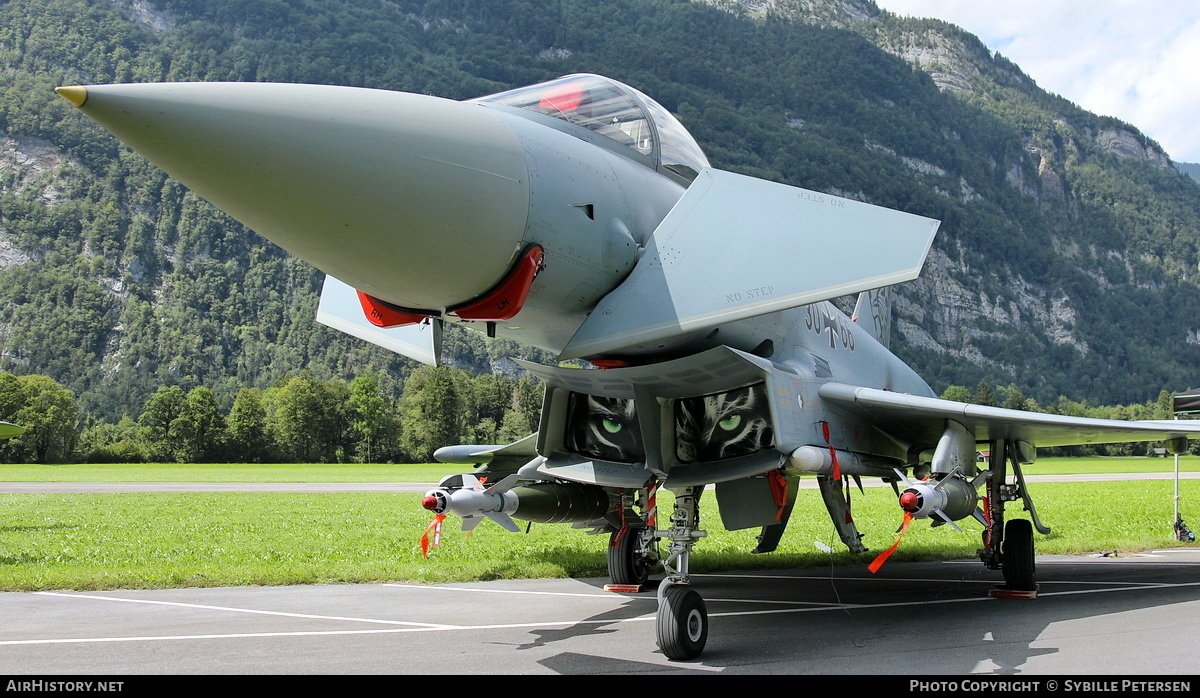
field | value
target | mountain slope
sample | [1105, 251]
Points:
[1066, 262]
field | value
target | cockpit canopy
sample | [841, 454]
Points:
[616, 111]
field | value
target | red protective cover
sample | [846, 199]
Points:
[380, 315]
[507, 299]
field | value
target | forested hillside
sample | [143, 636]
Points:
[1066, 263]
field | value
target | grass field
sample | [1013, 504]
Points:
[104, 541]
[1108, 464]
[228, 472]
[432, 472]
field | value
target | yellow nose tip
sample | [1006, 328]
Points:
[75, 94]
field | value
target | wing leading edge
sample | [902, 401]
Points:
[735, 247]
[922, 420]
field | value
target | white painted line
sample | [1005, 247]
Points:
[1139, 561]
[876, 580]
[816, 604]
[970, 599]
[1164, 585]
[308, 616]
[827, 578]
[859, 607]
[545, 624]
[604, 595]
[320, 633]
[227, 636]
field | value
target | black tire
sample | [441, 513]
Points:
[625, 565]
[682, 623]
[1016, 558]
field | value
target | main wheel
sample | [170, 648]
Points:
[1016, 560]
[625, 564]
[682, 623]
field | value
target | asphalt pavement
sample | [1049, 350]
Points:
[1094, 615]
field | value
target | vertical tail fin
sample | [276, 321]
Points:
[873, 313]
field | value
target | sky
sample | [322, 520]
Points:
[1137, 60]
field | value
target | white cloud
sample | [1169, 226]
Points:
[1137, 60]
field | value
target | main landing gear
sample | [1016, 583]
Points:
[629, 559]
[633, 547]
[1016, 560]
[1008, 547]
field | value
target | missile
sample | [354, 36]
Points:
[951, 498]
[543, 502]
[466, 454]
[819, 460]
[384, 190]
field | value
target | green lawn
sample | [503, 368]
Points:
[1108, 464]
[387, 472]
[228, 472]
[104, 541]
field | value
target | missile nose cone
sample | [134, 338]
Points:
[430, 502]
[910, 501]
[75, 94]
[418, 201]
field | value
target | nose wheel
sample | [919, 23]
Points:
[682, 623]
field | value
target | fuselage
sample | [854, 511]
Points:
[427, 205]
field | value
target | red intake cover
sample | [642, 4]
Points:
[506, 300]
[380, 315]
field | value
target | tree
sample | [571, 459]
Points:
[957, 393]
[984, 395]
[161, 410]
[1165, 405]
[111, 443]
[48, 413]
[373, 421]
[514, 427]
[430, 412]
[527, 399]
[307, 419]
[246, 428]
[1014, 399]
[198, 432]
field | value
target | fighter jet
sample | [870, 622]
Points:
[580, 216]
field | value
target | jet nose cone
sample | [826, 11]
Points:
[75, 94]
[417, 200]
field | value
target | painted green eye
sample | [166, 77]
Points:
[730, 423]
[612, 426]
